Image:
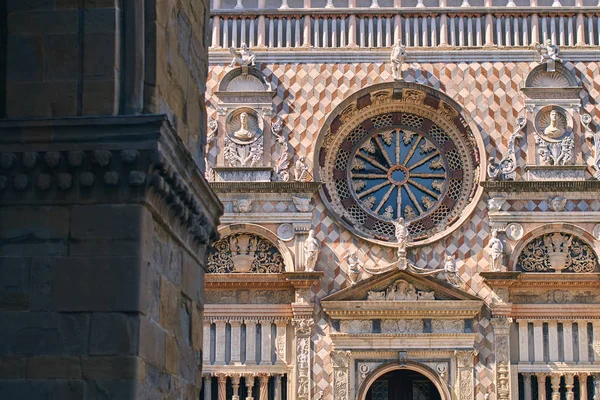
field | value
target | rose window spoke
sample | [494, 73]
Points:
[414, 181]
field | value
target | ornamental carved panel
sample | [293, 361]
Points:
[245, 252]
[556, 252]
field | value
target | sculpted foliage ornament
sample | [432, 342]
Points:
[557, 252]
[245, 252]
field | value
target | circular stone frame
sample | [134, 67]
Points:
[394, 98]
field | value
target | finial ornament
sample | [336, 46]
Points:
[244, 57]
[548, 54]
[397, 59]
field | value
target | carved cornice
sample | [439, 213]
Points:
[541, 186]
[246, 281]
[112, 160]
[375, 341]
[265, 187]
[533, 280]
[247, 311]
[448, 309]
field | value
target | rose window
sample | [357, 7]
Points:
[394, 153]
[399, 173]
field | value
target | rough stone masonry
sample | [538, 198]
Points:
[105, 214]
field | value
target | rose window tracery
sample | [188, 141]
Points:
[245, 252]
[399, 173]
[557, 252]
[401, 152]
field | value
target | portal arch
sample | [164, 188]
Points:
[422, 369]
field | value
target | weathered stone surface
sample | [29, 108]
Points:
[42, 389]
[54, 367]
[152, 343]
[13, 367]
[96, 284]
[114, 334]
[91, 282]
[172, 355]
[169, 306]
[15, 283]
[44, 333]
[113, 368]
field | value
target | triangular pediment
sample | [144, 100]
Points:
[401, 293]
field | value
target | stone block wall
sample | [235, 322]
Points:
[107, 57]
[102, 260]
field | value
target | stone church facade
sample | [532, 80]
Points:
[423, 225]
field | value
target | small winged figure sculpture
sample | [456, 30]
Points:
[244, 57]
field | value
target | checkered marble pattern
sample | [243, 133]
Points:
[490, 95]
[542, 205]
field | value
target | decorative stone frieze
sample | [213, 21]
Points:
[341, 376]
[464, 360]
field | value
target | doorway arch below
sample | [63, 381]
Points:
[409, 366]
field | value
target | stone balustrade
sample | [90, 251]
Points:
[484, 27]
[559, 342]
[245, 341]
[248, 383]
[561, 384]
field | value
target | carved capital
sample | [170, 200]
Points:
[340, 358]
[302, 326]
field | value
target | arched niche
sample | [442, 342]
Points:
[410, 365]
[549, 245]
[244, 79]
[562, 78]
[249, 248]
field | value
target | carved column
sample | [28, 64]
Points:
[235, 385]
[541, 379]
[569, 383]
[281, 341]
[596, 387]
[527, 386]
[249, 385]
[465, 382]
[222, 382]
[555, 381]
[236, 332]
[502, 352]
[250, 341]
[264, 387]
[207, 386]
[277, 394]
[568, 341]
[220, 342]
[596, 342]
[303, 309]
[206, 343]
[583, 393]
[303, 360]
[583, 342]
[341, 379]
[265, 336]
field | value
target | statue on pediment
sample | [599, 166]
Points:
[400, 290]
[244, 57]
